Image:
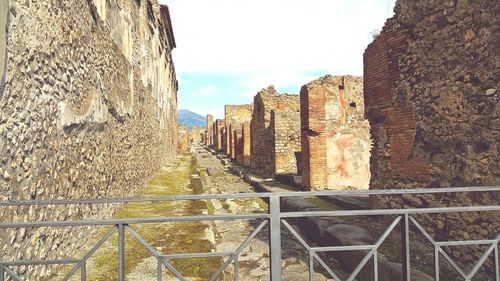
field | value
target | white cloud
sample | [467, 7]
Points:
[238, 36]
[256, 43]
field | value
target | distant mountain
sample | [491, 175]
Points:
[191, 119]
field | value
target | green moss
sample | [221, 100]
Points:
[322, 204]
[168, 238]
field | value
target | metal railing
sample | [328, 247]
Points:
[275, 219]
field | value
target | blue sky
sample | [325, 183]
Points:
[227, 50]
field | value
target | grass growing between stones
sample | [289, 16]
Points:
[168, 238]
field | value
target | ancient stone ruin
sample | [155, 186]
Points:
[285, 127]
[184, 139]
[262, 148]
[209, 134]
[432, 101]
[88, 98]
[196, 134]
[219, 137]
[235, 117]
[335, 136]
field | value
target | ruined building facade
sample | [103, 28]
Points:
[432, 94]
[184, 139]
[263, 146]
[335, 136]
[196, 134]
[88, 98]
[219, 134]
[209, 135]
[235, 117]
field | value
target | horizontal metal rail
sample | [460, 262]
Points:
[274, 218]
[251, 196]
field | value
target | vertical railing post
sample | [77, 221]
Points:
[121, 252]
[311, 265]
[159, 269]
[275, 237]
[2, 272]
[497, 264]
[83, 271]
[436, 263]
[405, 246]
[236, 268]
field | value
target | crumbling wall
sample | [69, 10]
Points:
[209, 140]
[262, 139]
[246, 139]
[219, 140]
[4, 24]
[196, 134]
[335, 136]
[431, 94]
[88, 109]
[235, 116]
[183, 139]
[285, 125]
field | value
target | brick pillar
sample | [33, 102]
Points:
[236, 149]
[210, 130]
[218, 130]
[246, 143]
[313, 137]
[228, 139]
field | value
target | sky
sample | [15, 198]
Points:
[227, 50]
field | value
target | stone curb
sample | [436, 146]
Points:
[334, 232]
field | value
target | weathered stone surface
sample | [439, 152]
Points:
[184, 139]
[262, 140]
[246, 144]
[209, 135]
[335, 137]
[196, 134]
[4, 18]
[431, 80]
[86, 112]
[285, 126]
[219, 138]
[235, 116]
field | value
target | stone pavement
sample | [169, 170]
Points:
[253, 262]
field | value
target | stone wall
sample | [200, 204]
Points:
[88, 109]
[4, 23]
[196, 134]
[219, 129]
[335, 137]
[246, 146]
[209, 139]
[266, 100]
[235, 116]
[285, 126]
[432, 95]
[183, 139]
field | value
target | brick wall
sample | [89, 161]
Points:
[262, 139]
[183, 139]
[335, 137]
[196, 134]
[209, 140]
[235, 116]
[219, 129]
[431, 95]
[246, 139]
[285, 125]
